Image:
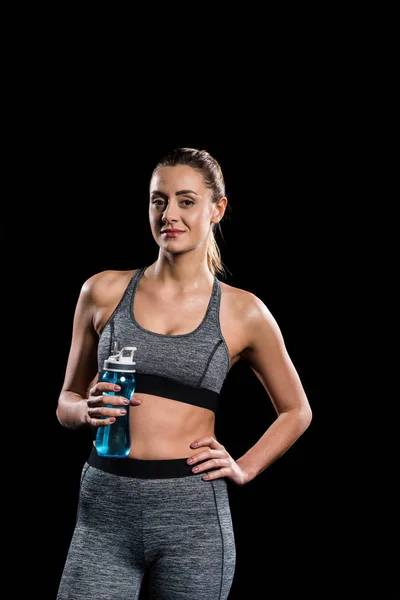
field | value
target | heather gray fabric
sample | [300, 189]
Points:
[179, 529]
[199, 358]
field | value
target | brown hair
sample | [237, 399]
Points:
[204, 163]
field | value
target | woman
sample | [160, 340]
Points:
[164, 510]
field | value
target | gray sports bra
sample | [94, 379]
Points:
[189, 367]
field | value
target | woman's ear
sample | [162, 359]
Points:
[219, 209]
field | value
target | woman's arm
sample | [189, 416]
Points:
[267, 355]
[81, 366]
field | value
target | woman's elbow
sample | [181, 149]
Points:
[305, 417]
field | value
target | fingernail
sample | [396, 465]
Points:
[117, 387]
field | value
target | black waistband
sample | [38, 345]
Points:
[167, 388]
[143, 469]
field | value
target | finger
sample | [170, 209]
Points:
[103, 386]
[135, 400]
[102, 422]
[206, 441]
[217, 474]
[107, 400]
[203, 456]
[214, 463]
[106, 411]
[114, 400]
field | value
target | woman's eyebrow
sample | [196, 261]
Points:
[158, 193]
[186, 192]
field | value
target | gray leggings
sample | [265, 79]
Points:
[178, 529]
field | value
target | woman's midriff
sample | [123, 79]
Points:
[164, 429]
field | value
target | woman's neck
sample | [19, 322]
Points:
[184, 275]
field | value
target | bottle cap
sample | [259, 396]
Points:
[123, 361]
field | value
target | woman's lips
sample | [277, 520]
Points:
[172, 232]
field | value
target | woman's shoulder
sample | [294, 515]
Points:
[243, 304]
[104, 286]
[239, 297]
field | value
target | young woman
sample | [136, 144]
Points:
[164, 509]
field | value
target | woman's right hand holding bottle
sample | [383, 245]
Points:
[101, 396]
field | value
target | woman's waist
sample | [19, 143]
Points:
[163, 434]
[162, 449]
[165, 447]
[161, 428]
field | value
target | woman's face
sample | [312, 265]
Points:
[179, 200]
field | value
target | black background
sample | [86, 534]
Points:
[300, 118]
[301, 123]
[285, 240]
[277, 243]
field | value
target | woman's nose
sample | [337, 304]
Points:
[170, 213]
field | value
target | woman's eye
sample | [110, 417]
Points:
[158, 202]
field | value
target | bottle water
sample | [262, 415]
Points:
[114, 441]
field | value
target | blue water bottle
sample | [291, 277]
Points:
[114, 441]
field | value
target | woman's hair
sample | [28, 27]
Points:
[204, 163]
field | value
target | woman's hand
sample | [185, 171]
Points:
[215, 457]
[99, 413]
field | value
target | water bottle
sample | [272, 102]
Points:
[114, 441]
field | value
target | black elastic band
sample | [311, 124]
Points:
[167, 388]
[143, 469]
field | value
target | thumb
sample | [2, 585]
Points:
[135, 400]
